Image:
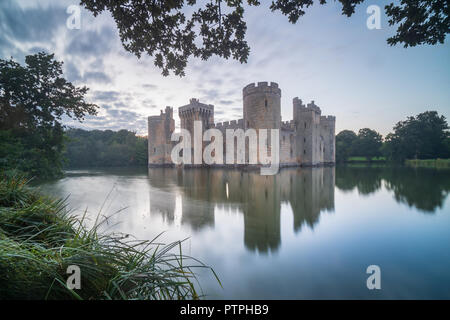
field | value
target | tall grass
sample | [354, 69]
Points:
[39, 239]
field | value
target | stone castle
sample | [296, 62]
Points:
[307, 140]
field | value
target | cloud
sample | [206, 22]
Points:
[149, 86]
[97, 76]
[226, 102]
[91, 43]
[106, 96]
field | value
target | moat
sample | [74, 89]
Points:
[305, 233]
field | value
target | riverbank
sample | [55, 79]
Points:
[364, 160]
[39, 240]
[429, 163]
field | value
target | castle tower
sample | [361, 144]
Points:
[160, 130]
[328, 132]
[196, 111]
[262, 106]
[307, 122]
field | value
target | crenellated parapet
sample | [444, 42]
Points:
[262, 87]
[288, 125]
[195, 106]
[234, 124]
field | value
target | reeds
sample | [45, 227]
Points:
[39, 239]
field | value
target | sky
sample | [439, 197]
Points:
[347, 69]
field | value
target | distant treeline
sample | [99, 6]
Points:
[425, 136]
[107, 148]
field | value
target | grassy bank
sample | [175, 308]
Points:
[429, 163]
[364, 160]
[39, 240]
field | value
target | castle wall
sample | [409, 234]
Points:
[288, 155]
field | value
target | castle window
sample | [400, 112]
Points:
[304, 140]
[304, 151]
[265, 103]
[292, 152]
[305, 125]
[154, 150]
[284, 138]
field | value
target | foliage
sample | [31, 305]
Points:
[105, 148]
[33, 100]
[39, 240]
[367, 144]
[344, 142]
[164, 30]
[424, 136]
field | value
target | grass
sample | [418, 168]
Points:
[429, 163]
[39, 239]
[364, 159]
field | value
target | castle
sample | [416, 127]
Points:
[307, 140]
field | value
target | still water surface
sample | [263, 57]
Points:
[305, 233]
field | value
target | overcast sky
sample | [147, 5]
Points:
[347, 69]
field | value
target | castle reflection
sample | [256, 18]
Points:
[199, 192]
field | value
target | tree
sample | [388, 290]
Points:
[344, 145]
[424, 136]
[33, 100]
[163, 30]
[368, 144]
[107, 148]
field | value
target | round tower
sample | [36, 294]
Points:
[262, 106]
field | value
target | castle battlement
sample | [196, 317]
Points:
[327, 119]
[262, 87]
[163, 115]
[233, 124]
[298, 103]
[195, 106]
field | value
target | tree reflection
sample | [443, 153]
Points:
[422, 188]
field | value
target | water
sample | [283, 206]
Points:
[305, 233]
